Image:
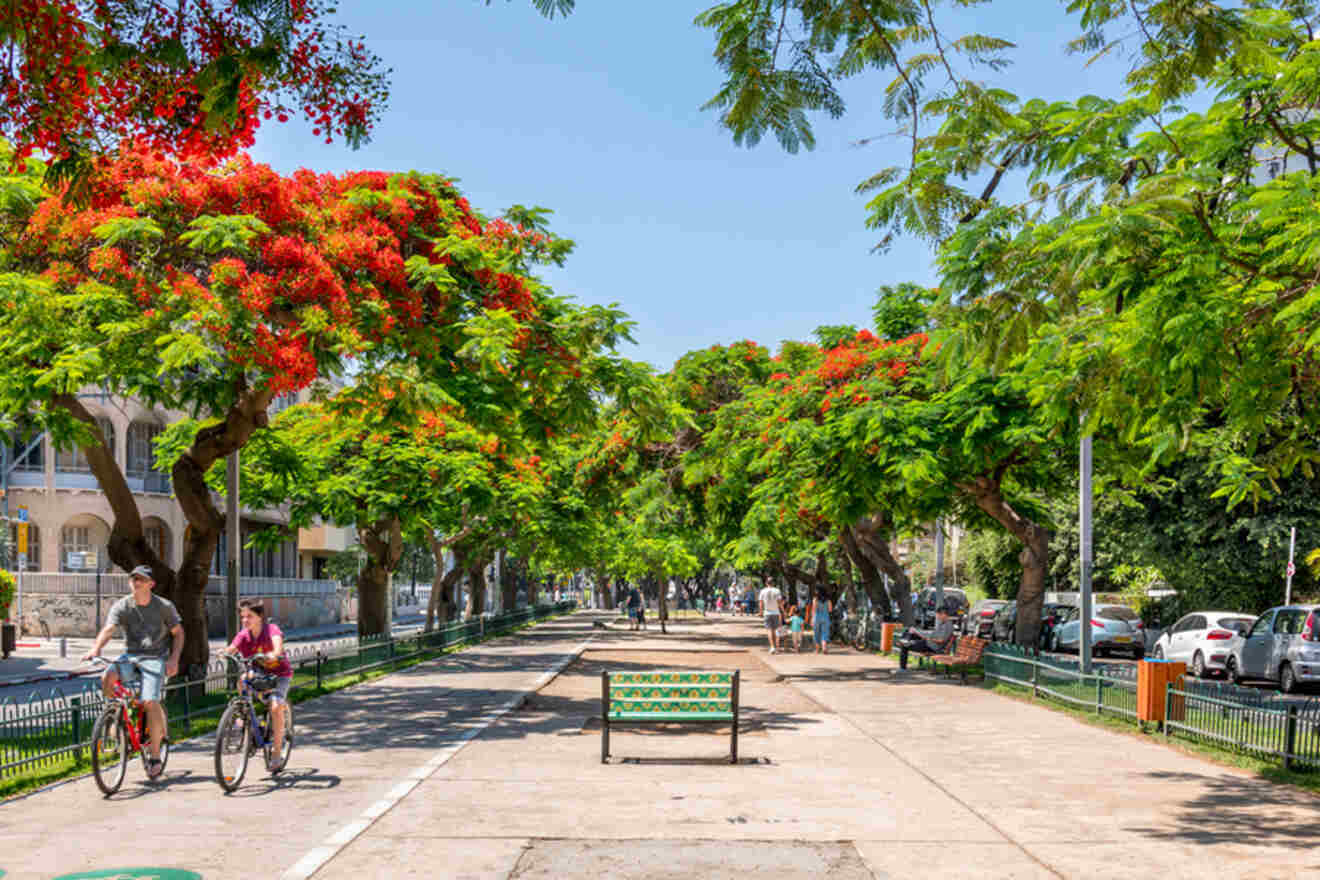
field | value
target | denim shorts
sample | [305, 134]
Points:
[152, 676]
[772, 621]
[280, 693]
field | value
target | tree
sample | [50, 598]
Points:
[192, 80]
[212, 293]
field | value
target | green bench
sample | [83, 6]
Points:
[668, 697]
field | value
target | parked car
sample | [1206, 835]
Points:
[1004, 627]
[1204, 640]
[1113, 628]
[954, 599]
[1283, 646]
[1051, 615]
[981, 617]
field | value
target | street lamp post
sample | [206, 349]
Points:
[1084, 526]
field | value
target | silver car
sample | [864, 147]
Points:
[1114, 628]
[1283, 646]
[1204, 640]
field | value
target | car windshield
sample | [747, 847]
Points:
[1126, 614]
[1239, 625]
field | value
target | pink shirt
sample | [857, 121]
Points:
[247, 644]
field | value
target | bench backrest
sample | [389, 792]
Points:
[670, 691]
[970, 649]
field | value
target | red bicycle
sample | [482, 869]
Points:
[122, 731]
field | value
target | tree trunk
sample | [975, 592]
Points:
[476, 603]
[127, 545]
[868, 546]
[849, 585]
[1035, 538]
[383, 542]
[442, 607]
[508, 582]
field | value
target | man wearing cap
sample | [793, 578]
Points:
[153, 638]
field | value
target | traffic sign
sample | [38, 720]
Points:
[22, 514]
[22, 537]
[1292, 569]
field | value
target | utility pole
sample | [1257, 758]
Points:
[233, 538]
[1287, 584]
[1084, 526]
[939, 564]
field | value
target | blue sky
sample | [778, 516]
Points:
[597, 116]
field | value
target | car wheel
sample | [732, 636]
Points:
[1231, 671]
[1198, 665]
[1159, 652]
[1287, 679]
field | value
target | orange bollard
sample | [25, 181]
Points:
[887, 637]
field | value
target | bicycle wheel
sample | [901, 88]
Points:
[109, 752]
[288, 742]
[232, 741]
[164, 743]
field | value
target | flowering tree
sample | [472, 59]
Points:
[192, 79]
[213, 292]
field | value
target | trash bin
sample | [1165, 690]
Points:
[887, 636]
[1153, 679]
[8, 639]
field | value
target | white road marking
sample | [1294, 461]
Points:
[317, 858]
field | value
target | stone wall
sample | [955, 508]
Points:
[75, 615]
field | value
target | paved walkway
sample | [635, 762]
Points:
[850, 769]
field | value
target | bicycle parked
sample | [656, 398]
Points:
[243, 730]
[121, 731]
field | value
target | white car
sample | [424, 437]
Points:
[1204, 640]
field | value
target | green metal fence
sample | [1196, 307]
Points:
[54, 730]
[1110, 690]
[1240, 719]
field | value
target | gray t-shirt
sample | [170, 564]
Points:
[942, 634]
[146, 627]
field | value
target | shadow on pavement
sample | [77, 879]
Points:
[1234, 810]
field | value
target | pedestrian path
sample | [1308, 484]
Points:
[849, 770]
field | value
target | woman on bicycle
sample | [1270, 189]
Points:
[264, 641]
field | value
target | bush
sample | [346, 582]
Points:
[7, 589]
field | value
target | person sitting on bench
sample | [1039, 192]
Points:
[937, 641]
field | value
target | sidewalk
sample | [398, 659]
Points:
[850, 770]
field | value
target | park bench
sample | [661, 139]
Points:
[668, 697]
[967, 654]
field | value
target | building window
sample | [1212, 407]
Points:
[33, 550]
[76, 549]
[141, 449]
[29, 454]
[158, 538]
[74, 461]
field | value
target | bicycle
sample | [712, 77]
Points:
[122, 730]
[242, 731]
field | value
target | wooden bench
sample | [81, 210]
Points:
[668, 697]
[967, 653]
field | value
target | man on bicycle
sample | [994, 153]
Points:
[265, 641]
[153, 641]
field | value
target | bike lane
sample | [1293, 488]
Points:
[356, 753]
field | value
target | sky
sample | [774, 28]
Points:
[598, 117]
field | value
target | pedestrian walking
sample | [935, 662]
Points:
[819, 612]
[770, 600]
[635, 607]
[795, 626]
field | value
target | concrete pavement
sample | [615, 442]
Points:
[850, 769]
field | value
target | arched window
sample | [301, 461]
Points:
[74, 461]
[76, 550]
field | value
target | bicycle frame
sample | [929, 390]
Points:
[133, 716]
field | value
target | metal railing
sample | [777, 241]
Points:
[83, 583]
[53, 732]
[1107, 690]
[1246, 720]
